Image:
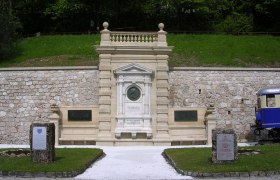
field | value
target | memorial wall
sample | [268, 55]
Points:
[26, 95]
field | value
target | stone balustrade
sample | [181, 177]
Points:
[116, 38]
[133, 37]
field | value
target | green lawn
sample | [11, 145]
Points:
[67, 160]
[189, 50]
[56, 50]
[199, 160]
[224, 50]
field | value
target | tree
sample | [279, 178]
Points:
[8, 30]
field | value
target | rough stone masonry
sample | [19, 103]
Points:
[231, 90]
[26, 95]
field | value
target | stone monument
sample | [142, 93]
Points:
[42, 142]
[224, 146]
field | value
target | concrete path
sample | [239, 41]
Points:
[125, 163]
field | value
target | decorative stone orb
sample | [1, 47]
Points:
[105, 25]
[161, 26]
[186, 102]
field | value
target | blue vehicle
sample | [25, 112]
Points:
[268, 111]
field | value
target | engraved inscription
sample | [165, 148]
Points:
[133, 108]
[225, 147]
[133, 122]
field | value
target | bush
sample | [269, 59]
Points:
[8, 31]
[236, 23]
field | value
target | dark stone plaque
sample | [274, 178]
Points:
[187, 115]
[42, 140]
[79, 115]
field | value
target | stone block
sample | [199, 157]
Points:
[42, 142]
[224, 146]
[105, 101]
[105, 84]
[162, 85]
[105, 67]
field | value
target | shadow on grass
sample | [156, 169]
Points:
[59, 158]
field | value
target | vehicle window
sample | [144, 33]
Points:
[259, 103]
[270, 100]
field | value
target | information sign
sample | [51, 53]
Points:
[39, 138]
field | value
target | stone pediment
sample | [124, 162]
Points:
[133, 69]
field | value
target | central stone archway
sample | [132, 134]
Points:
[133, 88]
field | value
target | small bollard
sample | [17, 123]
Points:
[42, 142]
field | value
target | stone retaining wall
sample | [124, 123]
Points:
[231, 90]
[27, 93]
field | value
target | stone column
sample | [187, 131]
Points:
[162, 102]
[210, 123]
[105, 93]
[105, 35]
[161, 35]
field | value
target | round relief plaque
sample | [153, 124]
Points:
[133, 93]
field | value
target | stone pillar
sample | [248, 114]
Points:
[55, 119]
[210, 123]
[162, 102]
[105, 35]
[105, 93]
[42, 140]
[161, 35]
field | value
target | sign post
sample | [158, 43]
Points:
[224, 146]
[42, 141]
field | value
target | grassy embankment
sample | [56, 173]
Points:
[189, 50]
[199, 160]
[67, 160]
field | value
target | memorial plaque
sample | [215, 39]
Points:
[39, 140]
[225, 146]
[79, 115]
[42, 140]
[188, 115]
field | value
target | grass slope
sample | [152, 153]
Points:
[67, 160]
[189, 50]
[199, 160]
[56, 50]
[224, 50]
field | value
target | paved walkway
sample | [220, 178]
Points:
[132, 163]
